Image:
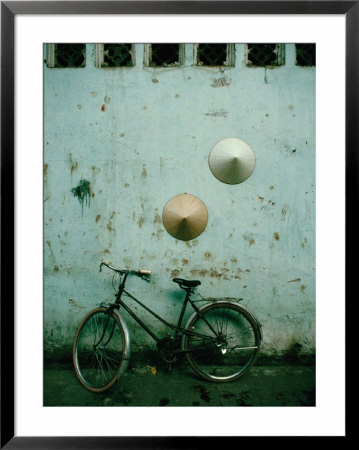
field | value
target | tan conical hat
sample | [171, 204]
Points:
[232, 160]
[185, 217]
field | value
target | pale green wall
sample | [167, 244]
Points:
[152, 142]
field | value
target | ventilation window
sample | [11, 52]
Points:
[264, 55]
[305, 55]
[66, 55]
[164, 55]
[115, 55]
[214, 55]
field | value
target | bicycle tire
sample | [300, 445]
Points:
[222, 342]
[100, 351]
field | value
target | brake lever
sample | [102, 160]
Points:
[104, 263]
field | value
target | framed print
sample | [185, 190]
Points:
[199, 154]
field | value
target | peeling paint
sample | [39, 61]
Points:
[221, 82]
[219, 113]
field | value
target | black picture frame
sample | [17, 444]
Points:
[9, 9]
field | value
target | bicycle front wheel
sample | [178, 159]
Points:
[222, 342]
[99, 350]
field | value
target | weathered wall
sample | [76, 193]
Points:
[142, 135]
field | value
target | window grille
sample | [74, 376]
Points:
[164, 55]
[66, 55]
[117, 55]
[264, 55]
[214, 55]
[305, 54]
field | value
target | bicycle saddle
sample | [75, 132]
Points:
[186, 283]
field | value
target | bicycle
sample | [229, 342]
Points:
[220, 340]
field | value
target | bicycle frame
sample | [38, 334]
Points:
[177, 328]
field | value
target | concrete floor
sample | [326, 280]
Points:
[153, 384]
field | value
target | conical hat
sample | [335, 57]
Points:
[185, 217]
[232, 161]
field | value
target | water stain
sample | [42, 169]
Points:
[144, 172]
[73, 164]
[204, 394]
[98, 217]
[284, 211]
[243, 398]
[252, 241]
[157, 219]
[175, 273]
[141, 221]
[276, 236]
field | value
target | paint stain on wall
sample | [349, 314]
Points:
[82, 192]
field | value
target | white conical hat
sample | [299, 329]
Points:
[185, 217]
[232, 160]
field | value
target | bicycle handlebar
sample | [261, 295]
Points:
[139, 272]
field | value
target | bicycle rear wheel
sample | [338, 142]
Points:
[99, 350]
[223, 341]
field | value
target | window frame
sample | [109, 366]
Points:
[100, 57]
[50, 59]
[147, 56]
[280, 56]
[230, 55]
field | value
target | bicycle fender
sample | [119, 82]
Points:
[226, 302]
[127, 345]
